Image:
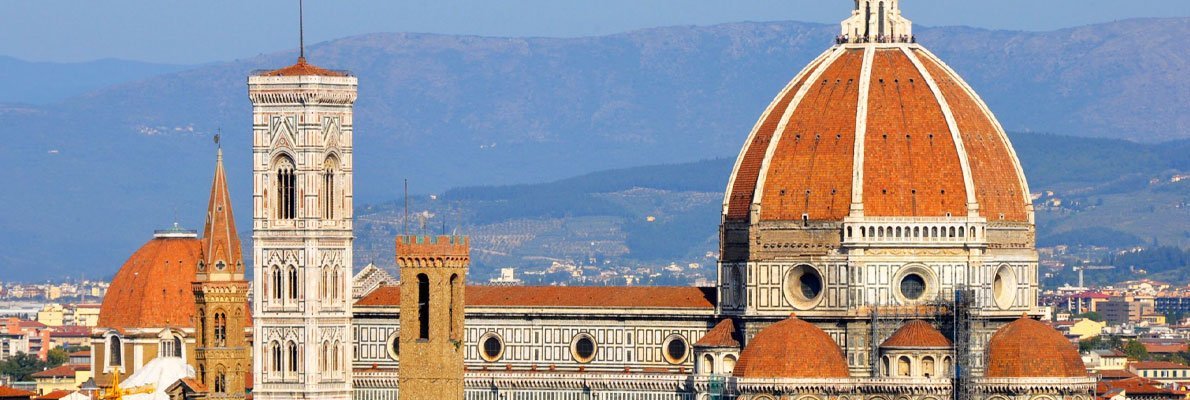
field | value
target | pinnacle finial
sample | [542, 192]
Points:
[301, 31]
[876, 21]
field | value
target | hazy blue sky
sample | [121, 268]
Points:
[188, 31]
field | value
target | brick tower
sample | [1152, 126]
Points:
[433, 273]
[222, 354]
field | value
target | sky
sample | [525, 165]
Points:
[191, 32]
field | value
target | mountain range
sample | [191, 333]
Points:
[90, 176]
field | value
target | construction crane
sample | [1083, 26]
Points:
[117, 393]
[1081, 268]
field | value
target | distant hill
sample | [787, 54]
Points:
[90, 176]
[29, 82]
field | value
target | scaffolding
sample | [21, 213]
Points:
[950, 312]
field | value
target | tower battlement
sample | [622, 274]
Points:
[455, 248]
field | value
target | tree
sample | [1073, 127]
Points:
[57, 357]
[1136, 351]
[1091, 315]
[22, 366]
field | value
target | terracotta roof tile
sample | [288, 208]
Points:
[810, 171]
[916, 334]
[62, 371]
[1157, 365]
[220, 241]
[8, 392]
[722, 335]
[566, 296]
[1027, 348]
[792, 349]
[153, 288]
[302, 68]
[55, 395]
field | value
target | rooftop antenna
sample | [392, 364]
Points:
[301, 31]
[406, 219]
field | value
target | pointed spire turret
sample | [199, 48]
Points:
[221, 252]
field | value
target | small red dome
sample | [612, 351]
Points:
[153, 288]
[917, 334]
[1027, 348]
[792, 349]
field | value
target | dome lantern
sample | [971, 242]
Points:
[876, 21]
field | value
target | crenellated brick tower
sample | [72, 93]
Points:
[433, 273]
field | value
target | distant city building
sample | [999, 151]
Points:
[1122, 310]
[507, 278]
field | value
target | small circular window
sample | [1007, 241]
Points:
[583, 348]
[1004, 287]
[676, 349]
[491, 347]
[394, 347]
[913, 286]
[803, 286]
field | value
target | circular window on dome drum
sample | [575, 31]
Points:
[914, 283]
[803, 286]
[583, 348]
[394, 346]
[1004, 287]
[491, 347]
[676, 349]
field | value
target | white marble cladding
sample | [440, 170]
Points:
[534, 342]
[915, 232]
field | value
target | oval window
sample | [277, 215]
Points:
[491, 348]
[913, 286]
[583, 348]
[676, 350]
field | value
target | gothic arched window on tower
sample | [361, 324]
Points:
[220, 381]
[337, 358]
[423, 306]
[328, 187]
[286, 189]
[220, 329]
[293, 283]
[277, 287]
[276, 356]
[293, 356]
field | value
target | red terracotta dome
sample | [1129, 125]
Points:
[153, 287]
[916, 334]
[886, 128]
[1027, 348]
[792, 349]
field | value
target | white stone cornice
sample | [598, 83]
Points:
[956, 136]
[758, 194]
[861, 128]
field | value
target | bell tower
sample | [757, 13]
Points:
[433, 275]
[221, 297]
[302, 231]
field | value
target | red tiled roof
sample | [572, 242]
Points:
[1115, 374]
[31, 324]
[70, 331]
[722, 335]
[792, 349]
[81, 353]
[64, 371]
[1164, 348]
[1027, 348]
[8, 392]
[1157, 365]
[55, 395]
[153, 288]
[916, 334]
[302, 68]
[566, 296]
[911, 161]
[1136, 386]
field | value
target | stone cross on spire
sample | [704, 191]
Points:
[877, 20]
